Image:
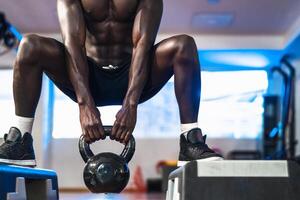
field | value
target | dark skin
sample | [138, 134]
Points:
[108, 31]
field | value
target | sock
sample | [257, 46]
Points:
[24, 124]
[185, 128]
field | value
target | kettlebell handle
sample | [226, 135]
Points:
[107, 130]
[86, 152]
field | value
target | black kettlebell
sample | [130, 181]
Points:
[106, 172]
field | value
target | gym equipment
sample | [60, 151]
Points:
[8, 33]
[9, 36]
[280, 142]
[298, 159]
[277, 137]
[3, 25]
[291, 138]
[271, 131]
[235, 180]
[9, 40]
[165, 167]
[106, 172]
[27, 183]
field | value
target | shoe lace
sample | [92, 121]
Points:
[201, 148]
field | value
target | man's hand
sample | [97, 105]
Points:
[91, 123]
[124, 124]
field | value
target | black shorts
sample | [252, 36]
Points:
[109, 86]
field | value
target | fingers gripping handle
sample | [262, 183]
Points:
[86, 153]
[84, 148]
[107, 130]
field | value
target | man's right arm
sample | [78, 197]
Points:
[73, 30]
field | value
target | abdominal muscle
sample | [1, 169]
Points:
[109, 43]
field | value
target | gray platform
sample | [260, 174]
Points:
[235, 180]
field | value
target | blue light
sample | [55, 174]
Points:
[240, 59]
[222, 60]
[16, 33]
[213, 2]
[274, 132]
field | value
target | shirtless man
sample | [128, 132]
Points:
[107, 57]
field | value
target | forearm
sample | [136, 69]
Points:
[78, 71]
[138, 75]
[145, 28]
[73, 30]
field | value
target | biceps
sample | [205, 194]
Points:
[71, 20]
[146, 24]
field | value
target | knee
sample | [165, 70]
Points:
[185, 43]
[29, 49]
[186, 48]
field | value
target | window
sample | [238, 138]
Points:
[66, 116]
[6, 101]
[231, 106]
[232, 103]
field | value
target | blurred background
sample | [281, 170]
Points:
[250, 59]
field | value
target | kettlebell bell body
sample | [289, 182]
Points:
[106, 172]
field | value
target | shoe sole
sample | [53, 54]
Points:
[26, 163]
[216, 158]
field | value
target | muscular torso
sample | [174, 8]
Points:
[109, 25]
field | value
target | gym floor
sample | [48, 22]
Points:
[123, 196]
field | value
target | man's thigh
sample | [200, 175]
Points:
[53, 61]
[161, 67]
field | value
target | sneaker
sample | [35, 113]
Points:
[193, 147]
[17, 150]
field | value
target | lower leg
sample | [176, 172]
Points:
[26, 86]
[27, 83]
[178, 56]
[24, 124]
[187, 90]
[36, 55]
[187, 81]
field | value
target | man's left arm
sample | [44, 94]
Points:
[144, 33]
[145, 29]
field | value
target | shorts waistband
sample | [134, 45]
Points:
[110, 67]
